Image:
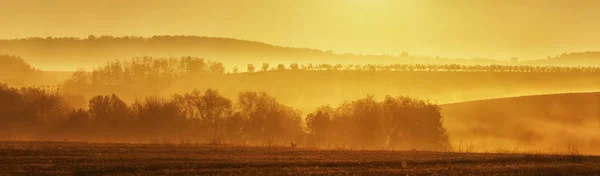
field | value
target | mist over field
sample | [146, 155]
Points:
[143, 81]
[306, 87]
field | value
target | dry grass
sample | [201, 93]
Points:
[81, 158]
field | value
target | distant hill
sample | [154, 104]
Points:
[541, 122]
[17, 72]
[72, 53]
[570, 59]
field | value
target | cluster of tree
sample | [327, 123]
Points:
[256, 118]
[141, 74]
[426, 68]
[396, 122]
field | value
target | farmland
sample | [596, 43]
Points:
[172, 158]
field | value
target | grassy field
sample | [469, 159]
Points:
[80, 158]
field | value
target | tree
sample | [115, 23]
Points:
[79, 119]
[265, 67]
[267, 119]
[280, 67]
[212, 109]
[161, 115]
[294, 67]
[413, 123]
[250, 68]
[109, 110]
[217, 67]
[318, 123]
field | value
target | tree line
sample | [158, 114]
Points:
[142, 76]
[254, 118]
[426, 68]
[143, 73]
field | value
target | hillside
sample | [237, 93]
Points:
[540, 122]
[73, 53]
[570, 59]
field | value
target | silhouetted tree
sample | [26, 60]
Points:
[109, 111]
[267, 119]
[318, 124]
[213, 109]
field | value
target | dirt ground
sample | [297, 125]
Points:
[83, 158]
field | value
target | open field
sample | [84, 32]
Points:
[81, 158]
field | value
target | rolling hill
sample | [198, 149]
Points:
[69, 53]
[540, 122]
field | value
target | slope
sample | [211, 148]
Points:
[540, 122]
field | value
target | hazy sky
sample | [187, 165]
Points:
[485, 28]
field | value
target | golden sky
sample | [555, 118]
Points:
[465, 28]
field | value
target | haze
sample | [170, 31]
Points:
[466, 28]
[348, 87]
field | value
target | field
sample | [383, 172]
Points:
[83, 158]
[540, 122]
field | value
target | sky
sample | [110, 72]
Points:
[529, 29]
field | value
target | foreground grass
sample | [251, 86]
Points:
[78, 158]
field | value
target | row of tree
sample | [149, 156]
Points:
[255, 118]
[144, 73]
[144, 76]
[424, 68]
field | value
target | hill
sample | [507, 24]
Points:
[540, 122]
[17, 72]
[70, 53]
[570, 59]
